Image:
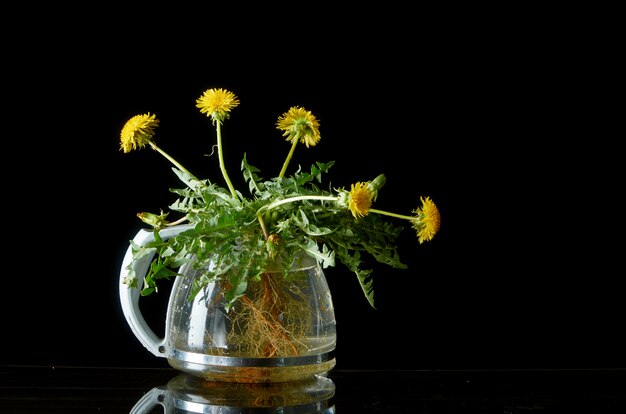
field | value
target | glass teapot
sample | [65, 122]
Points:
[281, 329]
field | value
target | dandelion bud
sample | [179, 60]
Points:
[375, 185]
[154, 220]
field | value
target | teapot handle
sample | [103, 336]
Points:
[129, 297]
[154, 397]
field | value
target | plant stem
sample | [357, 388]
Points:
[177, 222]
[293, 199]
[172, 160]
[386, 213]
[262, 223]
[221, 158]
[288, 159]
[267, 207]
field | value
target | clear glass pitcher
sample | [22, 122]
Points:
[281, 329]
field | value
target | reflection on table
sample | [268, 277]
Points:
[188, 394]
[67, 390]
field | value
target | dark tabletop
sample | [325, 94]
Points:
[34, 389]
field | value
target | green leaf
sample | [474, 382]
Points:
[308, 227]
[325, 257]
[189, 180]
[250, 176]
[364, 277]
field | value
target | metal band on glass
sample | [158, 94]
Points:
[195, 407]
[225, 361]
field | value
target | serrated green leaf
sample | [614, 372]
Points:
[364, 278]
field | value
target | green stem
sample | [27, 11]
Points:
[172, 160]
[265, 208]
[262, 223]
[386, 213]
[286, 163]
[221, 158]
[177, 222]
[277, 203]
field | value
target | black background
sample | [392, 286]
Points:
[501, 127]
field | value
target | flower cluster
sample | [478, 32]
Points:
[281, 217]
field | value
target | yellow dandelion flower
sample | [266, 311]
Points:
[217, 103]
[301, 125]
[427, 220]
[360, 199]
[138, 132]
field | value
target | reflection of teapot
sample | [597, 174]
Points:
[190, 394]
[281, 329]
